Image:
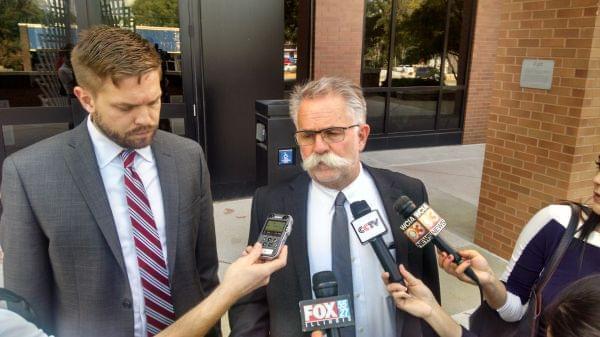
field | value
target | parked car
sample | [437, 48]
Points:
[289, 64]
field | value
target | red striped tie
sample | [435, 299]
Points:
[151, 261]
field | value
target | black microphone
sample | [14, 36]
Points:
[328, 311]
[423, 225]
[325, 285]
[369, 227]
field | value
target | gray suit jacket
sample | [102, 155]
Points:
[62, 252]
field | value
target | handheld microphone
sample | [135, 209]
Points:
[328, 311]
[369, 227]
[423, 225]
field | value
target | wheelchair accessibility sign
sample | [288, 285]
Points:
[286, 157]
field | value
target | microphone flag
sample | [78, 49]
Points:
[326, 313]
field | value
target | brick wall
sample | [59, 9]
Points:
[481, 76]
[338, 38]
[541, 144]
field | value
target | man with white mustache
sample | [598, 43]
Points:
[330, 119]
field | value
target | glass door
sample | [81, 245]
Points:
[36, 80]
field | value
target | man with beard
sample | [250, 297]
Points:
[330, 118]
[108, 228]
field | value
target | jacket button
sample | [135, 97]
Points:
[126, 303]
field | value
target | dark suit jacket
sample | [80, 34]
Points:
[274, 309]
[61, 247]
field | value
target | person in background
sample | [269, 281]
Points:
[65, 73]
[509, 295]
[575, 311]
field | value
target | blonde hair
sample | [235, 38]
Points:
[350, 92]
[104, 52]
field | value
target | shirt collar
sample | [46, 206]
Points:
[106, 150]
[352, 191]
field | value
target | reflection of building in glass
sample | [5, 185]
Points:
[414, 64]
[166, 37]
[290, 62]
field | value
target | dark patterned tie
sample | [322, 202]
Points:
[151, 261]
[340, 254]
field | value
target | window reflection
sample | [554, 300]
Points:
[290, 47]
[376, 42]
[34, 50]
[450, 109]
[429, 38]
[413, 110]
[453, 69]
[375, 111]
[419, 43]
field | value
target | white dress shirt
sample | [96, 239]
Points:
[374, 308]
[112, 171]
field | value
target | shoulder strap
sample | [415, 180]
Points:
[564, 243]
[26, 311]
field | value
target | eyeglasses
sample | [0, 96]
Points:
[334, 134]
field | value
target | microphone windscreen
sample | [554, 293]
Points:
[359, 208]
[404, 206]
[325, 284]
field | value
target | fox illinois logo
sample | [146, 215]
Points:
[327, 311]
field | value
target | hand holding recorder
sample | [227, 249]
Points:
[273, 235]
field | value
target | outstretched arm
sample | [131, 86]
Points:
[418, 300]
[494, 291]
[243, 276]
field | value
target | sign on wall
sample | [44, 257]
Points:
[537, 74]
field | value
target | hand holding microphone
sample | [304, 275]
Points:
[423, 225]
[470, 259]
[369, 227]
[417, 299]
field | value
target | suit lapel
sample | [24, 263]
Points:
[296, 201]
[82, 164]
[169, 185]
[389, 193]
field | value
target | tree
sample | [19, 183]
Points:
[13, 12]
[377, 27]
[420, 33]
[290, 19]
[161, 13]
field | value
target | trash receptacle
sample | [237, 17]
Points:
[277, 156]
